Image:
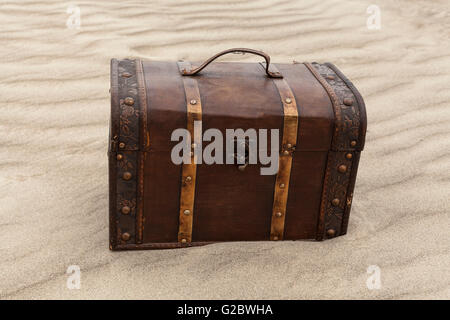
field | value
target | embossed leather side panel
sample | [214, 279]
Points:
[342, 161]
[123, 162]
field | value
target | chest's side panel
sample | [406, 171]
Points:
[348, 141]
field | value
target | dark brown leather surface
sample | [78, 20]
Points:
[238, 94]
[230, 204]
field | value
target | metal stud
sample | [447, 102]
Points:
[188, 179]
[349, 156]
[331, 233]
[126, 74]
[193, 101]
[353, 143]
[278, 214]
[187, 212]
[289, 145]
[242, 167]
[335, 202]
[348, 101]
[122, 145]
[126, 209]
[126, 236]
[129, 101]
[119, 157]
[286, 153]
[126, 175]
[288, 100]
[342, 168]
[183, 240]
[191, 153]
[282, 185]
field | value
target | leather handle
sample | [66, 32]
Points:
[271, 74]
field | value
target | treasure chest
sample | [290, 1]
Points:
[230, 151]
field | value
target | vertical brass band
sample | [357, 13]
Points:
[289, 141]
[189, 170]
[143, 140]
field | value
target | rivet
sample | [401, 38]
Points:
[330, 77]
[242, 167]
[193, 101]
[191, 153]
[275, 238]
[286, 153]
[335, 202]
[129, 101]
[278, 214]
[342, 168]
[122, 145]
[125, 236]
[193, 145]
[126, 175]
[353, 143]
[119, 157]
[331, 233]
[188, 179]
[348, 101]
[289, 145]
[288, 100]
[126, 74]
[349, 156]
[183, 240]
[282, 185]
[187, 212]
[126, 209]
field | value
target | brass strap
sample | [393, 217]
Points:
[189, 170]
[289, 141]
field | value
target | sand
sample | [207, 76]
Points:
[54, 85]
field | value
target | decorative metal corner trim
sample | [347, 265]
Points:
[334, 208]
[189, 170]
[127, 159]
[129, 106]
[289, 142]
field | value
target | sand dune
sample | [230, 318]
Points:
[54, 85]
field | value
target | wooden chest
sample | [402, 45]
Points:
[289, 174]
